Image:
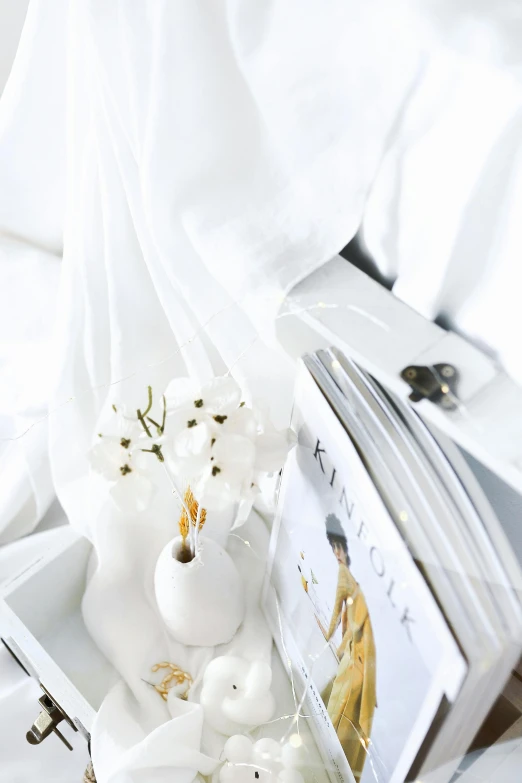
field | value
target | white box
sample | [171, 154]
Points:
[341, 306]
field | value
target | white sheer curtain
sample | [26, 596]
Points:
[216, 154]
[215, 157]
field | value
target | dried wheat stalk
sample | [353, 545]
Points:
[191, 505]
[89, 776]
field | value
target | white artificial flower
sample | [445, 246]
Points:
[217, 444]
[219, 397]
[112, 451]
[229, 474]
[132, 488]
[195, 416]
[120, 460]
[242, 421]
[181, 393]
[189, 451]
[271, 448]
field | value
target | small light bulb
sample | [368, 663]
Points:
[295, 741]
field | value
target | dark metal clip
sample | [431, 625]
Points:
[47, 722]
[437, 384]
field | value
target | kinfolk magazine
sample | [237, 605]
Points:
[367, 646]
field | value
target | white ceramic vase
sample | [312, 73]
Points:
[202, 601]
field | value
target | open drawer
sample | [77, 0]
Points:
[41, 623]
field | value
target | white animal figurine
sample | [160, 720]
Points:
[236, 694]
[265, 761]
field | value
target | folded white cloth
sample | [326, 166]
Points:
[124, 752]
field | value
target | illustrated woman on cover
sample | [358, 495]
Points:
[352, 699]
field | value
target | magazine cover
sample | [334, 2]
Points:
[367, 647]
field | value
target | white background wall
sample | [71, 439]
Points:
[12, 15]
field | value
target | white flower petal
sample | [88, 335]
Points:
[127, 424]
[106, 457]
[192, 441]
[144, 442]
[216, 493]
[235, 452]
[188, 469]
[178, 420]
[188, 453]
[241, 422]
[143, 461]
[185, 464]
[221, 395]
[181, 392]
[132, 492]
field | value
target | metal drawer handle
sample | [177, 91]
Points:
[47, 721]
[437, 383]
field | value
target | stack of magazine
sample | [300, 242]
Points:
[393, 594]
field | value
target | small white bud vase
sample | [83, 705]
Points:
[201, 601]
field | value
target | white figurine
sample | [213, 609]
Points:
[236, 694]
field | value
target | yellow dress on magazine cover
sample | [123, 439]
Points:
[353, 697]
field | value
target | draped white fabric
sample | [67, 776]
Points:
[201, 188]
[442, 218]
[193, 160]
